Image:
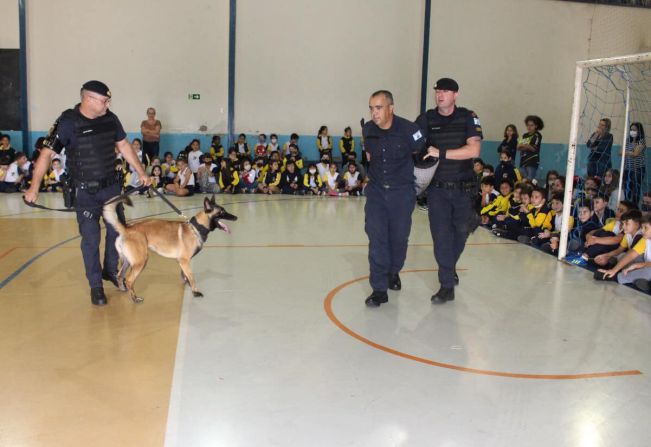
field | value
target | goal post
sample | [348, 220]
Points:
[617, 89]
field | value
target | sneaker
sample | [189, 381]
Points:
[576, 260]
[643, 284]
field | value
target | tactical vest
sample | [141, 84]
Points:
[449, 136]
[93, 157]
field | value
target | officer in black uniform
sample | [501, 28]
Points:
[390, 143]
[454, 136]
[90, 133]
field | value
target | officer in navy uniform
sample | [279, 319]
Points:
[391, 142]
[90, 134]
[454, 136]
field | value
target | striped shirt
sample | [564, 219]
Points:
[631, 161]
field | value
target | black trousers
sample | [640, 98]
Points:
[387, 224]
[450, 218]
[89, 210]
[150, 149]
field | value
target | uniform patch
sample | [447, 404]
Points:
[476, 120]
[478, 129]
[417, 136]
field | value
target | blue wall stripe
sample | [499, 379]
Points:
[22, 57]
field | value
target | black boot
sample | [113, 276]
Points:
[97, 296]
[394, 281]
[111, 277]
[376, 298]
[443, 295]
[456, 279]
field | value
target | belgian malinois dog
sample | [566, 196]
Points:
[171, 239]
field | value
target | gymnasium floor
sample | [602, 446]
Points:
[281, 351]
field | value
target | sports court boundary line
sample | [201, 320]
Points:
[327, 305]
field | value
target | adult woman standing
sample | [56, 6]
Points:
[600, 144]
[634, 163]
[150, 129]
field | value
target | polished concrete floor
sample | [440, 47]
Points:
[281, 351]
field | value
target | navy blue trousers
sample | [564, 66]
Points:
[450, 216]
[89, 210]
[388, 224]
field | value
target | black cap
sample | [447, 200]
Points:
[446, 84]
[97, 87]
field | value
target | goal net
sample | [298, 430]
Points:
[612, 97]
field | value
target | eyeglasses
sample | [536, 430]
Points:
[103, 101]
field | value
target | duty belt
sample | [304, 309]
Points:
[96, 185]
[467, 185]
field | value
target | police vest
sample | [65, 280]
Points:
[451, 135]
[93, 157]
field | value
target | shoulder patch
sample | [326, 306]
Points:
[417, 136]
[476, 120]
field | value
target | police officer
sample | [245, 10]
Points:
[454, 137]
[390, 144]
[90, 133]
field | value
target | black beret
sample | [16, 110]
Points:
[97, 87]
[446, 84]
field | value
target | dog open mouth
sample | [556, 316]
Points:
[222, 226]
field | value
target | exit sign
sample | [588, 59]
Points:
[194, 96]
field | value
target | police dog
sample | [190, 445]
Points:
[171, 239]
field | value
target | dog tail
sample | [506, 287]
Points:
[111, 214]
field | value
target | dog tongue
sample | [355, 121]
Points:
[224, 226]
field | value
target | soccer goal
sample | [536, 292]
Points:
[612, 96]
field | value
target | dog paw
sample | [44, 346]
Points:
[137, 299]
[121, 285]
[197, 294]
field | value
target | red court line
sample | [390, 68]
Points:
[327, 305]
[2, 255]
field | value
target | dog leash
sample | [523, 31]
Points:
[170, 204]
[74, 209]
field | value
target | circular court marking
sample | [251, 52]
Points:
[327, 305]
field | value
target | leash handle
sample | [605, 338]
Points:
[36, 205]
[170, 204]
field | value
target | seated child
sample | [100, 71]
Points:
[270, 183]
[498, 206]
[332, 182]
[548, 240]
[249, 178]
[353, 181]
[586, 223]
[207, 175]
[635, 266]
[216, 149]
[601, 211]
[228, 176]
[537, 220]
[291, 182]
[488, 193]
[629, 235]
[609, 236]
[54, 180]
[183, 184]
[293, 156]
[509, 226]
[169, 168]
[312, 181]
[260, 149]
[506, 170]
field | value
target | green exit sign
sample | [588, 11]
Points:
[194, 96]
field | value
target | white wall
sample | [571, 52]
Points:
[149, 52]
[301, 64]
[517, 57]
[9, 31]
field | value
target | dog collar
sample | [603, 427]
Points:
[203, 231]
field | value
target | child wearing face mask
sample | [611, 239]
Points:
[506, 170]
[273, 145]
[324, 166]
[248, 178]
[312, 181]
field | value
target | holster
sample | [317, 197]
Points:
[69, 192]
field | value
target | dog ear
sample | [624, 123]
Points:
[212, 200]
[207, 206]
